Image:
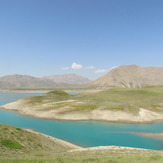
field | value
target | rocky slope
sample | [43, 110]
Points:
[131, 76]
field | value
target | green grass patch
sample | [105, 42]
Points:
[11, 144]
[19, 129]
[34, 100]
[84, 107]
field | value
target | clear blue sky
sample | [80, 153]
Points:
[42, 37]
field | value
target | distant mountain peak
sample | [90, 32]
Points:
[131, 76]
[68, 78]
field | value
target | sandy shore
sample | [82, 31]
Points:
[58, 141]
[64, 113]
[99, 148]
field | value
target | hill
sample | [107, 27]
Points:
[131, 76]
[19, 143]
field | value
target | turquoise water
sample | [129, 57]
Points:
[83, 133]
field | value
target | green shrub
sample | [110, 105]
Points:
[5, 129]
[82, 107]
[19, 129]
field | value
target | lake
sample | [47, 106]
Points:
[83, 133]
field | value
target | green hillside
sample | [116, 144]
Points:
[127, 99]
[17, 142]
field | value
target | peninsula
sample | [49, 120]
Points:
[130, 105]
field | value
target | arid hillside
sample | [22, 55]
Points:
[131, 76]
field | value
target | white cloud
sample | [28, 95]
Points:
[89, 67]
[65, 68]
[76, 66]
[100, 71]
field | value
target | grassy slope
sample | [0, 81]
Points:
[127, 99]
[56, 95]
[22, 146]
[16, 142]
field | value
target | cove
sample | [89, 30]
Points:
[83, 133]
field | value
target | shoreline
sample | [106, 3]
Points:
[76, 148]
[89, 119]
[98, 120]
[56, 140]
[47, 90]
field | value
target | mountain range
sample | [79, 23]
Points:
[128, 76]
[53, 81]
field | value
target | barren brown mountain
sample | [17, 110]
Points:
[131, 76]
